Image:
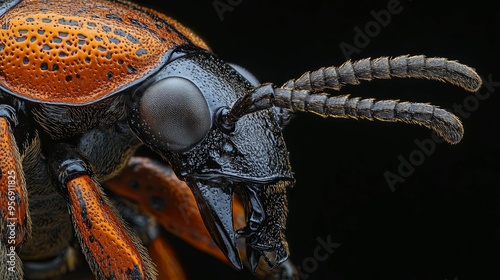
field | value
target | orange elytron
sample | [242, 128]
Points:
[78, 52]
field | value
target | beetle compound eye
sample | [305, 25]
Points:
[175, 112]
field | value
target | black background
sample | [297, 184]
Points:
[442, 221]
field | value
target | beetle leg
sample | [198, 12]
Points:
[166, 259]
[111, 249]
[148, 230]
[15, 223]
[156, 190]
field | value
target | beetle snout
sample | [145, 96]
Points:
[265, 221]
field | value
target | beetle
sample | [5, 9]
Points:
[85, 84]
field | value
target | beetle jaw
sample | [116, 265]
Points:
[265, 236]
[265, 225]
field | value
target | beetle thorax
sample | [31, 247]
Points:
[60, 121]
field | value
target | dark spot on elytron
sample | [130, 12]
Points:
[106, 28]
[141, 52]
[2, 46]
[133, 184]
[137, 23]
[40, 31]
[63, 34]
[83, 10]
[46, 47]
[44, 66]
[63, 54]
[98, 39]
[5, 26]
[170, 28]
[78, 76]
[159, 25]
[109, 55]
[101, 48]
[81, 42]
[91, 239]
[91, 24]
[70, 22]
[57, 40]
[87, 59]
[81, 36]
[133, 39]
[120, 32]
[110, 75]
[114, 40]
[120, 61]
[114, 16]
[26, 61]
[23, 31]
[30, 19]
[55, 67]
[131, 69]
[21, 39]
[33, 39]
[46, 20]
[69, 78]
[157, 202]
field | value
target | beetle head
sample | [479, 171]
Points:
[175, 114]
[222, 134]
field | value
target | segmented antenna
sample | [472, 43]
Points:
[445, 124]
[418, 66]
[305, 94]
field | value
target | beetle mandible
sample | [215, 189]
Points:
[84, 84]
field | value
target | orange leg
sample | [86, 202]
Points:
[15, 224]
[148, 229]
[158, 192]
[99, 228]
[13, 205]
[110, 248]
[166, 260]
